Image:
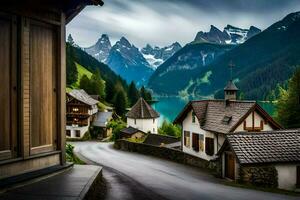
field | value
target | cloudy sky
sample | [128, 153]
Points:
[161, 22]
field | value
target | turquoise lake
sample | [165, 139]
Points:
[169, 107]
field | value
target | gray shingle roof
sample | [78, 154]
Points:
[266, 147]
[142, 110]
[82, 96]
[231, 86]
[102, 118]
[211, 113]
[130, 130]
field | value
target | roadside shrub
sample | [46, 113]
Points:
[170, 129]
[117, 126]
[71, 157]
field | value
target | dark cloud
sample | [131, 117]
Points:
[161, 22]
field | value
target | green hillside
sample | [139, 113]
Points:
[81, 71]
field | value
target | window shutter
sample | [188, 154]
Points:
[209, 146]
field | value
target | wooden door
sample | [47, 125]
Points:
[8, 87]
[43, 100]
[229, 166]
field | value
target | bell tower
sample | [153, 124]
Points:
[230, 91]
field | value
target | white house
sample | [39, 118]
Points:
[143, 117]
[269, 158]
[81, 111]
[205, 123]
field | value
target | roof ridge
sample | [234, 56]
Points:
[223, 100]
[264, 132]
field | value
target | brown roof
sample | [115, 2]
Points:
[82, 96]
[231, 86]
[142, 110]
[222, 116]
[265, 147]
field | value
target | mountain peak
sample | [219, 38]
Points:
[214, 29]
[230, 35]
[101, 49]
[125, 42]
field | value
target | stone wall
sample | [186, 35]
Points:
[262, 176]
[167, 153]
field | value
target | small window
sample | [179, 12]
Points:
[153, 121]
[135, 121]
[193, 117]
[209, 146]
[68, 133]
[226, 119]
[77, 133]
[153, 130]
[75, 109]
[201, 142]
[186, 139]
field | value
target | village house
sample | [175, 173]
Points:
[81, 111]
[269, 159]
[143, 117]
[206, 122]
[33, 92]
[101, 121]
[133, 133]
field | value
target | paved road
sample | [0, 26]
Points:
[134, 176]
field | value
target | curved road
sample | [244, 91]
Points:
[135, 176]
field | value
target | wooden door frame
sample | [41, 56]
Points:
[226, 154]
[14, 92]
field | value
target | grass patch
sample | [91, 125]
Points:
[81, 71]
[136, 140]
[71, 157]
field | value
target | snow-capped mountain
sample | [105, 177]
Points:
[230, 35]
[127, 61]
[156, 56]
[101, 49]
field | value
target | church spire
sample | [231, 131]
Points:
[230, 90]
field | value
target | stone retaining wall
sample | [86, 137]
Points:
[262, 176]
[167, 153]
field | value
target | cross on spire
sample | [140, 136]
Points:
[231, 65]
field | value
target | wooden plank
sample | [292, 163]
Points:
[61, 90]
[42, 86]
[25, 89]
[8, 87]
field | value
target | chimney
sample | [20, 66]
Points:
[230, 91]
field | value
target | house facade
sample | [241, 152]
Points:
[33, 76]
[205, 123]
[101, 121]
[143, 117]
[269, 159]
[81, 111]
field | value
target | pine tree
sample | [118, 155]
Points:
[85, 84]
[72, 73]
[70, 40]
[133, 94]
[145, 94]
[97, 85]
[288, 106]
[120, 103]
[109, 91]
